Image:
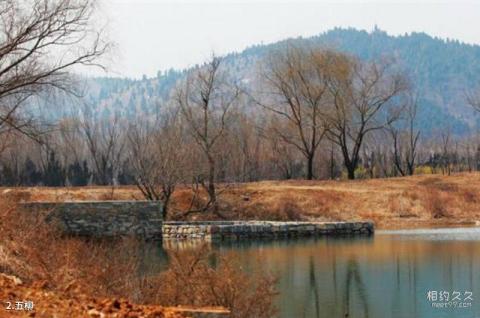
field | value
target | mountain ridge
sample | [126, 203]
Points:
[441, 70]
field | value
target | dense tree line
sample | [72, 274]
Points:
[249, 154]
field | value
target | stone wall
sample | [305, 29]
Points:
[144, 218]
[220, 230]
[103, 218]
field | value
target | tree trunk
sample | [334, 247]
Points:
[411, 169]
[310, 167]
[164, 211]
[332, 165]
[166, 202]
[211, 185]
[351, 172]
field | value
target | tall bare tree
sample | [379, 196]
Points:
[157, 156]
[40, 42]
[296, 79]
[405, 140]
[205, 100]
[446, 151]
[281, 155]
[363, 100]
[105, 140]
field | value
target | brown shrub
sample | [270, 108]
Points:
[291, 211]
[192, 280]
[470, 196]
[446, 187]
[38, 251]
[284, 209]
[437, 184]
[436, 203]
[401, 206]
[278, 209]
[429, 181]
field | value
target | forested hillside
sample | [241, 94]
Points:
[442, 72]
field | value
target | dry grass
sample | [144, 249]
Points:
[391, 203]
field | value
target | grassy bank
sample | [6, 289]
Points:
[406, 202]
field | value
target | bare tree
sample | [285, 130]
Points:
[282, 155]
[72, 141]
[157, 157]
[40, 42]
[405, 141]
[205, 101]
[105, 141]
[243, 149]
[296, 79]
[446, 152]
[369, 159]
[362, 101]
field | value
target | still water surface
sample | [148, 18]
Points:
[387, 275]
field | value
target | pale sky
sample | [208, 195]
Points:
[157, 35]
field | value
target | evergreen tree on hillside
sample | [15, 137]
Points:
[30, 175]
[9, 176]
[78, 174]
[54, 174]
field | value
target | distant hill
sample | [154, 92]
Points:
[441, 70]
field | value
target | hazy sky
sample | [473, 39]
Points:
[156, 35]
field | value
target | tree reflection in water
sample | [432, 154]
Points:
[353, 278]
[314, 287]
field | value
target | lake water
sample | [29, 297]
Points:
[402, 274]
